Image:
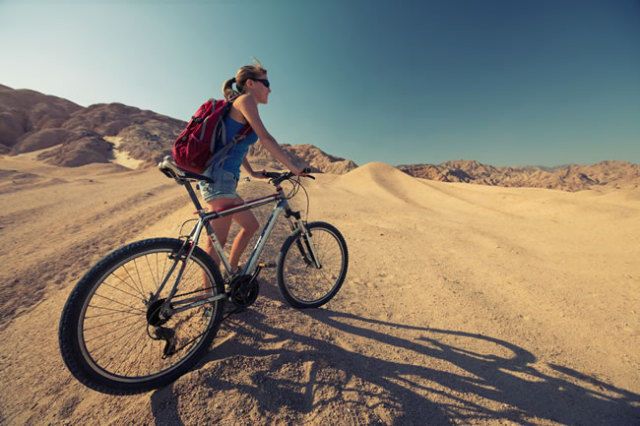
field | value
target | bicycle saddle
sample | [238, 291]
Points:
[170, 169]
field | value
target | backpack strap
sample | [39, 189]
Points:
[243, 133]
[219, 157]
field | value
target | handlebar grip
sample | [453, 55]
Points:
[271, 175]
[308, 170]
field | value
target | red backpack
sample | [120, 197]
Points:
[204, 138]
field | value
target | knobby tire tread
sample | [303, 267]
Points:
[67, 331]
[288, 244]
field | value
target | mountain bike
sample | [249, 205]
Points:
[148, 311]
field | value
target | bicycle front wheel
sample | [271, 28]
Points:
[311, 269]
[111, 336]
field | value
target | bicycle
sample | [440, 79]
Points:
[148, 311]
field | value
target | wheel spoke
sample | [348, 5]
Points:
[125, 292]
[152, 276]
[135, 264]
[164, 268]
[109, 309]
[126, 357]
[119, 303]
[107, 323]
[140, 289]
[109, 313]
[127, 284]
[109, 333]
[132, 347]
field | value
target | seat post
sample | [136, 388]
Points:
[192, 194]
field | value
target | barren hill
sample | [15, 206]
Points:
[24, 113]
[572, 177]
[31, 121]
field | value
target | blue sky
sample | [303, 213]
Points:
[503, 82]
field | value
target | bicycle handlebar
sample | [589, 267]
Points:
[277, 178]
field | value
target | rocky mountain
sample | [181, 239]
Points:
[302, 155]
[31, 121]
[572, 177]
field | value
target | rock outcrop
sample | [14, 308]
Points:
[303, 155]
[572, 177]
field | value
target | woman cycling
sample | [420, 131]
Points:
[252, 89]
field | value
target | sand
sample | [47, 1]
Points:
[122, 157]
[463, 304]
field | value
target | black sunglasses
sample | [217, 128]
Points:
[263, 81]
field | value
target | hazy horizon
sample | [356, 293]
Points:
[501, 83]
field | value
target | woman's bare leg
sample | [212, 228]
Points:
[248, 226]
[220, 227]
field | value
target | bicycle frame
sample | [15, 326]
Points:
[251, 265]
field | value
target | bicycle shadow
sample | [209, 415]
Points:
[285, 362]
[561, 394]
[305, 367]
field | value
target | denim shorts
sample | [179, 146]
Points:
[224, 184]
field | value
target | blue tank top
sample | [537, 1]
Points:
[238, 151]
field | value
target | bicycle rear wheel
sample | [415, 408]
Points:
[111, 337]
[302, 283]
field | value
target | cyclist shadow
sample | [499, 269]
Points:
[308, 365]
[529, 389]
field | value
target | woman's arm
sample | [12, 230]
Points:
[249, 169]
[249, 109]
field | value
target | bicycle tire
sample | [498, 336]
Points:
[73, 346]
[295, 265]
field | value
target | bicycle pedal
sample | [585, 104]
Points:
[267, 264]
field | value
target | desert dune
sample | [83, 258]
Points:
[463, 304]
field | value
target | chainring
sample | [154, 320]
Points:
[244, 290]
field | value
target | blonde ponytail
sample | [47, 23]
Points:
[228, 91]
[245, 73]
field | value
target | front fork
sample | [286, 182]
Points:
[305, 242]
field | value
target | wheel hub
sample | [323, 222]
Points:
[153, 313]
